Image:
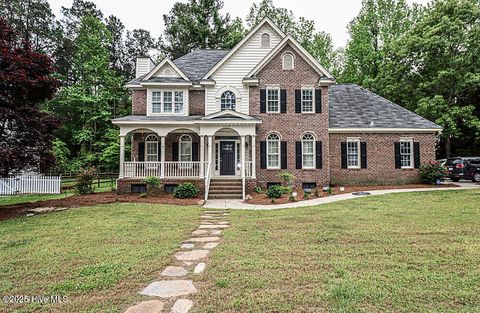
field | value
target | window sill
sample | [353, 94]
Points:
[407, 168]
[354, 168]
[309, 168]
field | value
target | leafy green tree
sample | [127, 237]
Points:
[199, 24]
[117, 46]
[139, 42]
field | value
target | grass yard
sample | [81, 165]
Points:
[99, 256]
[16, 199]
[415, 252]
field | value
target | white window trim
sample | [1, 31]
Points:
[283, 61]
[146, 148]
[279, 101]
[162, 110]
[269, 40]
[180, 147]
[314, 152]
[313, 100]
[357, 140]
[409, 140]
[279, 151]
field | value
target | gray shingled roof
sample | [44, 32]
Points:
[198, 62]
[352, 106]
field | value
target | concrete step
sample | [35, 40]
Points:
[226, 183]
[222, 192]
[225, 196]
[226, 187]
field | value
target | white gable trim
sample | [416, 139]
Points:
[159, 65]
[225, 113]
[250, 34]
[299, 49]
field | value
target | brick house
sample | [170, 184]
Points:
[231, 120]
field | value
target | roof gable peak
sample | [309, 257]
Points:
[161, 64]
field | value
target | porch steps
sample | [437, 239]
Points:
[225, 189]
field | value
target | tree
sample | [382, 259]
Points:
[139, 42]
[117, 47]
[199, 24]
[26, 81]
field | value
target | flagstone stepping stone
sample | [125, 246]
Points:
[187, 245]
[191, 255]
[216, 232]
[216, 211]
[199, 268]
[203, 239]
[187, 263]
[212, 226]
[41, 210]
[182, 306]
[210, 245]
[208, 217]
[152, 306]
[199, 232]
[169, 288]
[222, 223]
[174, 271]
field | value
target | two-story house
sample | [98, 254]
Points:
[231, 120]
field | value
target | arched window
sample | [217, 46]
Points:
[265, 41]
[273, 151]
[185, 148]
[288, 61]
[308, 151]
[228, 101]
[151, 148]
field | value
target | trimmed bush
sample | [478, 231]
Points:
[185, 191]
[275, 192]
[153, 185]
[433, 172]
[84, 183]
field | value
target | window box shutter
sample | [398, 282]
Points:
[263, 101]
[283, 155]
[263, 154]
[318, 101]
[363, 155]
[344, 154]
[398, 163]
[298, 101]
[318, 154]
[141, 151]
[416, 154]
[195, 151]
[175, 151]
[283, 101]
[298, 155]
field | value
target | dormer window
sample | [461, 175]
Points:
[287, 62]
[228, 101]
[167, 102]
[265, 41]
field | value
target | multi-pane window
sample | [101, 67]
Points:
[406, 153]
[167, 102]
[353, 154]
[273, 151]
[151, 148]
[308, 151]
[228, 101]
[307, 100]
[156, 102]
[273, 100]
[178, 101]
[185, 147]
[287, 61]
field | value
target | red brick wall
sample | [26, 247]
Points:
[125, 185]
[380, 159]
[291, 125]
[139, 102]
[196, 102]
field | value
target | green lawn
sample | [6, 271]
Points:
[16, 199]
[415, 252]
[99, 257]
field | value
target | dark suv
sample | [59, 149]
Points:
[463, 168]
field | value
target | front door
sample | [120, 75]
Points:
[227, 157]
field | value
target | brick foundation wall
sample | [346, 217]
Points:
[291, 125]
[125, 185]
[139, 102]
[380, 159]
[196, 100]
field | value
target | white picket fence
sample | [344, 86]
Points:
[29, 184]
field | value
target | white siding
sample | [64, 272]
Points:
[232, 72]
[161, 71]
[143, 66]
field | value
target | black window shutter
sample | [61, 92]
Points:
[283, 153]
[263, 154]
[363, 154]
[159, 156]
[195, 151]
[398, 163]
[416, 154]
[283, 101]
[318, 101]
[263, 101]
[344, 154]
[298, 155]
[175, 151]
[141, 151]
[298, 101]
[318, 156]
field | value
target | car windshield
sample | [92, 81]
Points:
[454, 161]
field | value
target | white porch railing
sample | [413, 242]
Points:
[141, 169]
[171, 169]
[182, 169]
[248, 169]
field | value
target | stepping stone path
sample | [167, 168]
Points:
[177, 280]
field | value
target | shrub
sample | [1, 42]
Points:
[185, 191]
[287, 178]
[275, 192]
[258, 189]
[153, 185]
[84, 183]
[433, 172]
[286, 190]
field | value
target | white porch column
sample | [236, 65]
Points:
[242, 155]
[162, 156]
[122, 156]
[210, 152]
[254, 157]
[202, 156]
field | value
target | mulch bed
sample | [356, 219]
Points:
[14, 210]
[262, 198]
